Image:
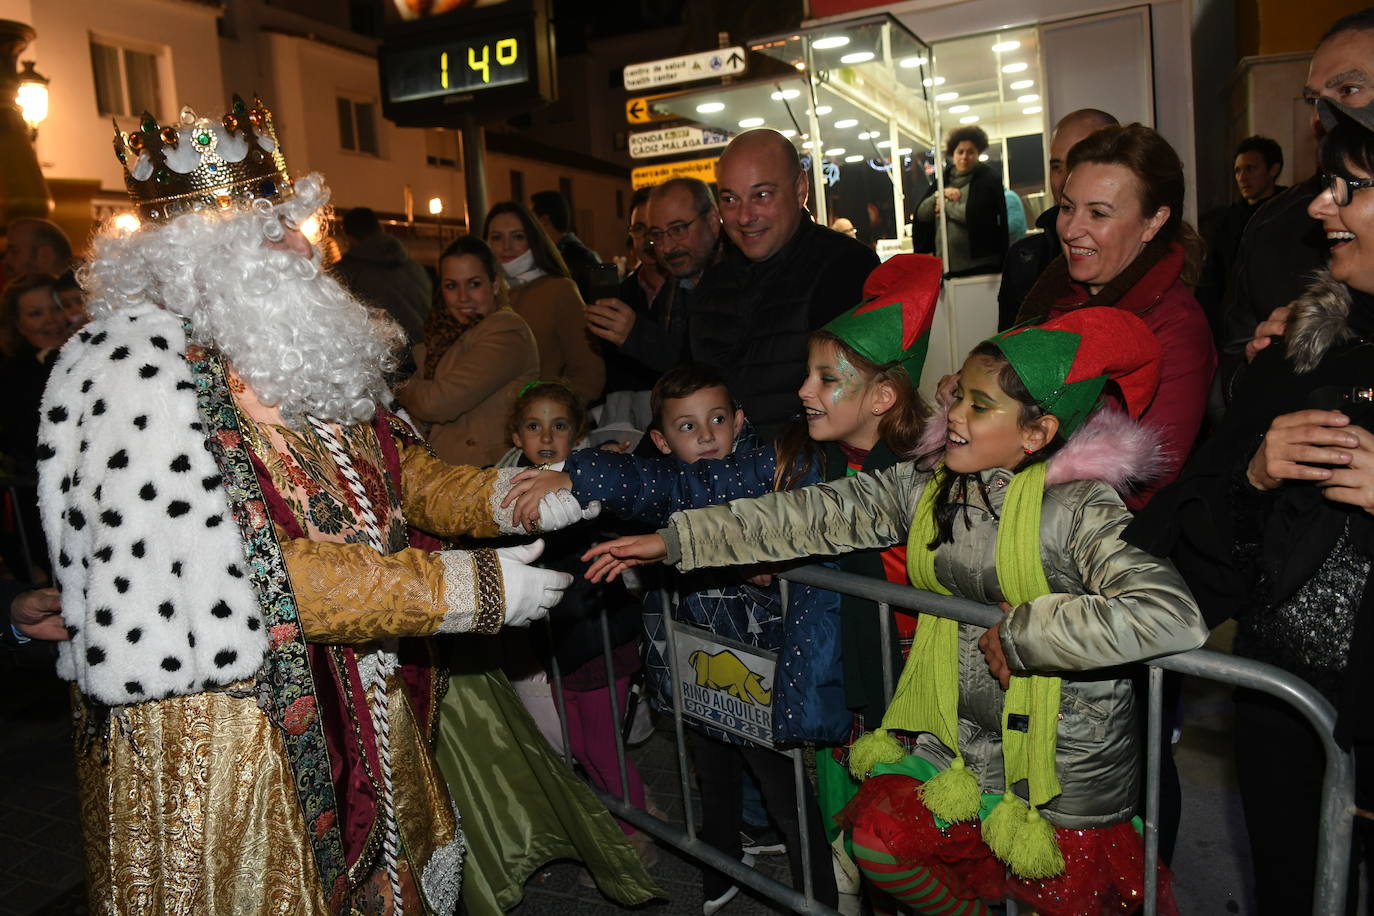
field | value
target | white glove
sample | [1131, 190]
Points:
[560, 509]
[530, 591]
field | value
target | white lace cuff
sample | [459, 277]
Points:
[504, 518]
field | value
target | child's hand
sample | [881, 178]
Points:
[528, 489]
[991, 645]
[611, 558]
[762, 574]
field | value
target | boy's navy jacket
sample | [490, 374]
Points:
[810, 702]
[573, 635]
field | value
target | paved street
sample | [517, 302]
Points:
[41, 871]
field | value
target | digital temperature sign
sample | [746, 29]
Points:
[459, 66]
[468, 60]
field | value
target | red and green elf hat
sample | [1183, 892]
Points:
[1064, 363]
[892, 323]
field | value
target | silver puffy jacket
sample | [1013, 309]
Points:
[1111, 604]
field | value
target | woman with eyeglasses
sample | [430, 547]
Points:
[543, 293]
[1271, 524]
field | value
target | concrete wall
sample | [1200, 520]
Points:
[590, 112]
[74, 142]
[300, 67]
[1265, 97]
[1214, 59]
[1282, 26]
[307, 76]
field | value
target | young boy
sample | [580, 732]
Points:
[694, 415]
[695, 418]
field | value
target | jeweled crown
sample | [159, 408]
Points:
[200, 164]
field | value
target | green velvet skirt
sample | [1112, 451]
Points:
[521, 805]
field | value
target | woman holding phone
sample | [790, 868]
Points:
[1273, 523]
[543, 293]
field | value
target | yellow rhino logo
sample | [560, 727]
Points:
[724, 671]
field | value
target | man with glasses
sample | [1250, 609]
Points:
[683, 232]
[637, 292]
[1282, 245]
[783, 277]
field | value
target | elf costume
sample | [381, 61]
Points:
[1050, 767]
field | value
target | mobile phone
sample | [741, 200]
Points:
[603, 282]
[1356, 402]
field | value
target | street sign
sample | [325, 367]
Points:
[642, 109]
[684, 69]
[669, 140]
[646, 176]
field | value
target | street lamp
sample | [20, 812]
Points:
[32, 97]
[436, 210]
[23, 192]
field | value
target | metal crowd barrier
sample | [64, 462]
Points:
[1338, 781]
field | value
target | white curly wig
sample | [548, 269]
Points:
[290, 330]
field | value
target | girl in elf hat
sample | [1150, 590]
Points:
[860, 413]
[1007, 761]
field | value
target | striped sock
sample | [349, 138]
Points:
[917, 887]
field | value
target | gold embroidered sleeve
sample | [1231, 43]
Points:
[349, 594]
[452, 500]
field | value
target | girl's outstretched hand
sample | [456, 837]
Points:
[528, 488]
[611, 558]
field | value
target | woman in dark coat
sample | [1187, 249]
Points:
[974, 205]
[1271, 524]
[32, 328]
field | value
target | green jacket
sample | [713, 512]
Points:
[1111, 604]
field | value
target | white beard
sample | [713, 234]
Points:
[292, 332]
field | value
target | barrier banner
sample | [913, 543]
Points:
[725, 683]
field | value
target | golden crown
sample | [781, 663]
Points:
[199, 164]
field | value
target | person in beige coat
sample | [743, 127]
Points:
[477, 354]
[543, 294]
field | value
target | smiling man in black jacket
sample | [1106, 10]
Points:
[783, 277]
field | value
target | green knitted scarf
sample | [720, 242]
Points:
[927, 695]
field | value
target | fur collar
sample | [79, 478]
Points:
[1320, 320]
[1110, 447]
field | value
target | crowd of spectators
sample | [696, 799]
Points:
[515, 340]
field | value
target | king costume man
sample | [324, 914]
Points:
[236, 528]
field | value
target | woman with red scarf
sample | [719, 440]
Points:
[1124, 244]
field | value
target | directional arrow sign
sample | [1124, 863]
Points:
[685, 69]
[643, 109]
[670, 140]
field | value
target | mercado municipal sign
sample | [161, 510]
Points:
[647, 176]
